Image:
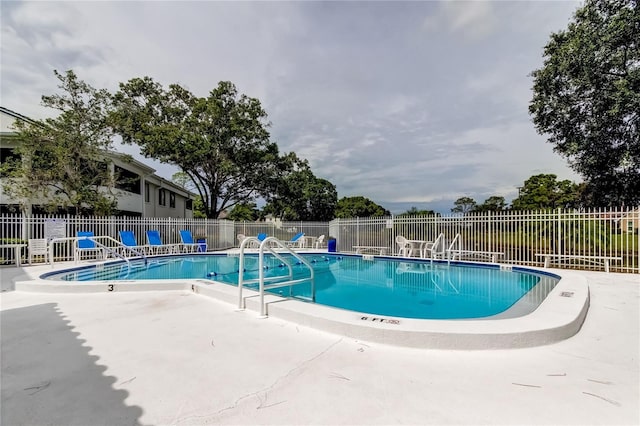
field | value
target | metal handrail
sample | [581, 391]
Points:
[434, 247]
[99, 244]
[243, 244]
[456, 240]
[266, 245]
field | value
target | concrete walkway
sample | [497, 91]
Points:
[180, 358]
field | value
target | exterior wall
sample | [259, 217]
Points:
[6, 123]
[150, 205]
[152, 208]
[167, 211]
[128, 201]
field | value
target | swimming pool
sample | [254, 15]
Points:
[383, 287]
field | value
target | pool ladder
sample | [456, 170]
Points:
[267, 245]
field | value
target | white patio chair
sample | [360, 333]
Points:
[38, 247]
[404, 246]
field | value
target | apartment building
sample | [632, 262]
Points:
[140, 191]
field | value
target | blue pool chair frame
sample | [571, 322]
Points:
[85, 244]
[128, 240]
[156, 245]
[189, 245]
[297, 240]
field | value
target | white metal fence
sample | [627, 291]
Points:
[219, 234]
[284, 231]
[517, 235]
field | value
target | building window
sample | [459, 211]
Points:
[9, 159]
[189, 204]
[172, 200]
[9, 208]
[127, 180]
[162, 197]
[147, 192]
[630, 225]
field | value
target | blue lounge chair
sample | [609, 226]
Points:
[128, 240]
[156, 245]
[188, 244]
[297, 240]
[85, 244]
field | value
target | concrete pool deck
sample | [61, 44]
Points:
[536, 319]
[175, 357]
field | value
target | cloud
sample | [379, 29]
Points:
[395, 101]
[471, 19]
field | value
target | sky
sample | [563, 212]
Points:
[410, 104]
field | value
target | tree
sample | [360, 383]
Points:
[244, 212]
[183, 180]
[544, 191]
[221, 142]
[492, 204]
[322, 199]
[464, 205]
[587, 99]
[413, 211]
[299, 195]
[359, 206]
[62, 161]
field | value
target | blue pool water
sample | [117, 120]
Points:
[384, 286]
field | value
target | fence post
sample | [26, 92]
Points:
[393, 236]
[24, 234]
[490, 229]
[558, 238]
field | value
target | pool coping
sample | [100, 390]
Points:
[558, 317]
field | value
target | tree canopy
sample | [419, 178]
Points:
[544, 191]
[492, 204]
[464, 205]
[414, 211]
[183, 180]
[244, 212]
[221, 141]
[586, 98]
[297, 194]
[359, 206]
[61, 161]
